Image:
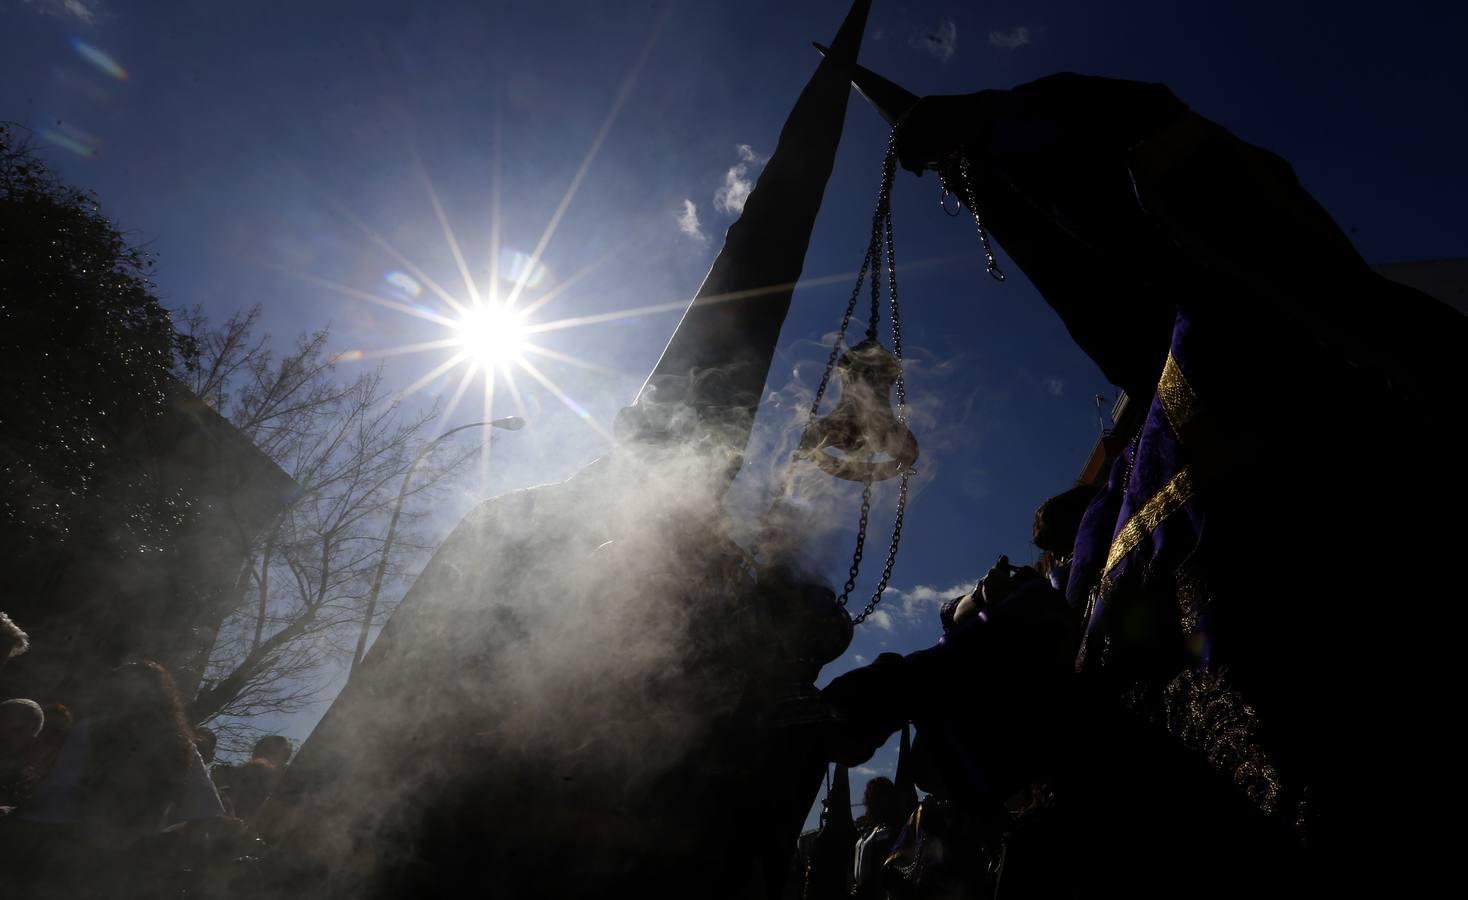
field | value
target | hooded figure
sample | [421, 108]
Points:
[1218, 577]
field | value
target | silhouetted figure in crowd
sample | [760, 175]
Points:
[94, 825]
[1057, 522]
[21, 723]
[128, 764]
[207, 743]
[827, 872]
[246, 787]
[33, 762]
[21, 720]
[988, 702]
[139, 754]
[1230, 703]
[884, 819]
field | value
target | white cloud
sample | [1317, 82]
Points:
[941, 41]
[1056, 386]
[738, 182]
[84, 11]
[868, 771]
[919, 606]
[881, 618]
[927, 594]
[1014, 38]
[688, 222]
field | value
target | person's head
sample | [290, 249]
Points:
[880, 798]
[273, 749]
[206, 742]
[140, 745]
[20, 723]
[137, 688]
[58, 726]
[13, 641]
[1058, 520]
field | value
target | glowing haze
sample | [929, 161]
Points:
[392, 173]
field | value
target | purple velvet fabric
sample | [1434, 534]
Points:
[1093, 538]
[1127, 617]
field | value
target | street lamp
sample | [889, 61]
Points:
[509, 423]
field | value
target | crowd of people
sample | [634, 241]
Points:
[1209, 684]
[115, 794]
[1201, 689]
[977, 823]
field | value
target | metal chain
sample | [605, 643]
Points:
[882, 221]
[990, 265]
[871, 263]
[880, 254]
[891, 552]
[861, 544]
[901, 384]
[943, 194]
[815, 406]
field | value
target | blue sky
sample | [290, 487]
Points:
[255, 147]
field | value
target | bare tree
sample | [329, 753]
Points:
[301, 595]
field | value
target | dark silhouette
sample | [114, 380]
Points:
[21, 723]
[245, 788]
[88, 351]
[1057, 522]
[94, 826]
[1227, 698]
[827, 873]
[139, 751]
[991, 703]
[127, 502]
[721, 815]
[207, 743]
[26, 762]
[883, 820]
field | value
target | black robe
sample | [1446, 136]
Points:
[1326, 504]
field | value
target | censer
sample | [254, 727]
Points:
[864, 439]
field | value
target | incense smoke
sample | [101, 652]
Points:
[575, 648]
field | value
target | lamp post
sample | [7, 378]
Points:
[509, 423]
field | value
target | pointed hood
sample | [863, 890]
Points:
[838, 802]
[719, 357]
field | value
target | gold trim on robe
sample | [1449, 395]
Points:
[1177, 491]
[1179, 401]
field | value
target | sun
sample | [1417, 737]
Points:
[490, 334]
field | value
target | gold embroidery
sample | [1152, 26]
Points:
[1177, 491]
[1210, 716]
[1095, 594]
[1179, 402]
[1192, 598]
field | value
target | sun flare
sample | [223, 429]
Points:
[490, 334]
